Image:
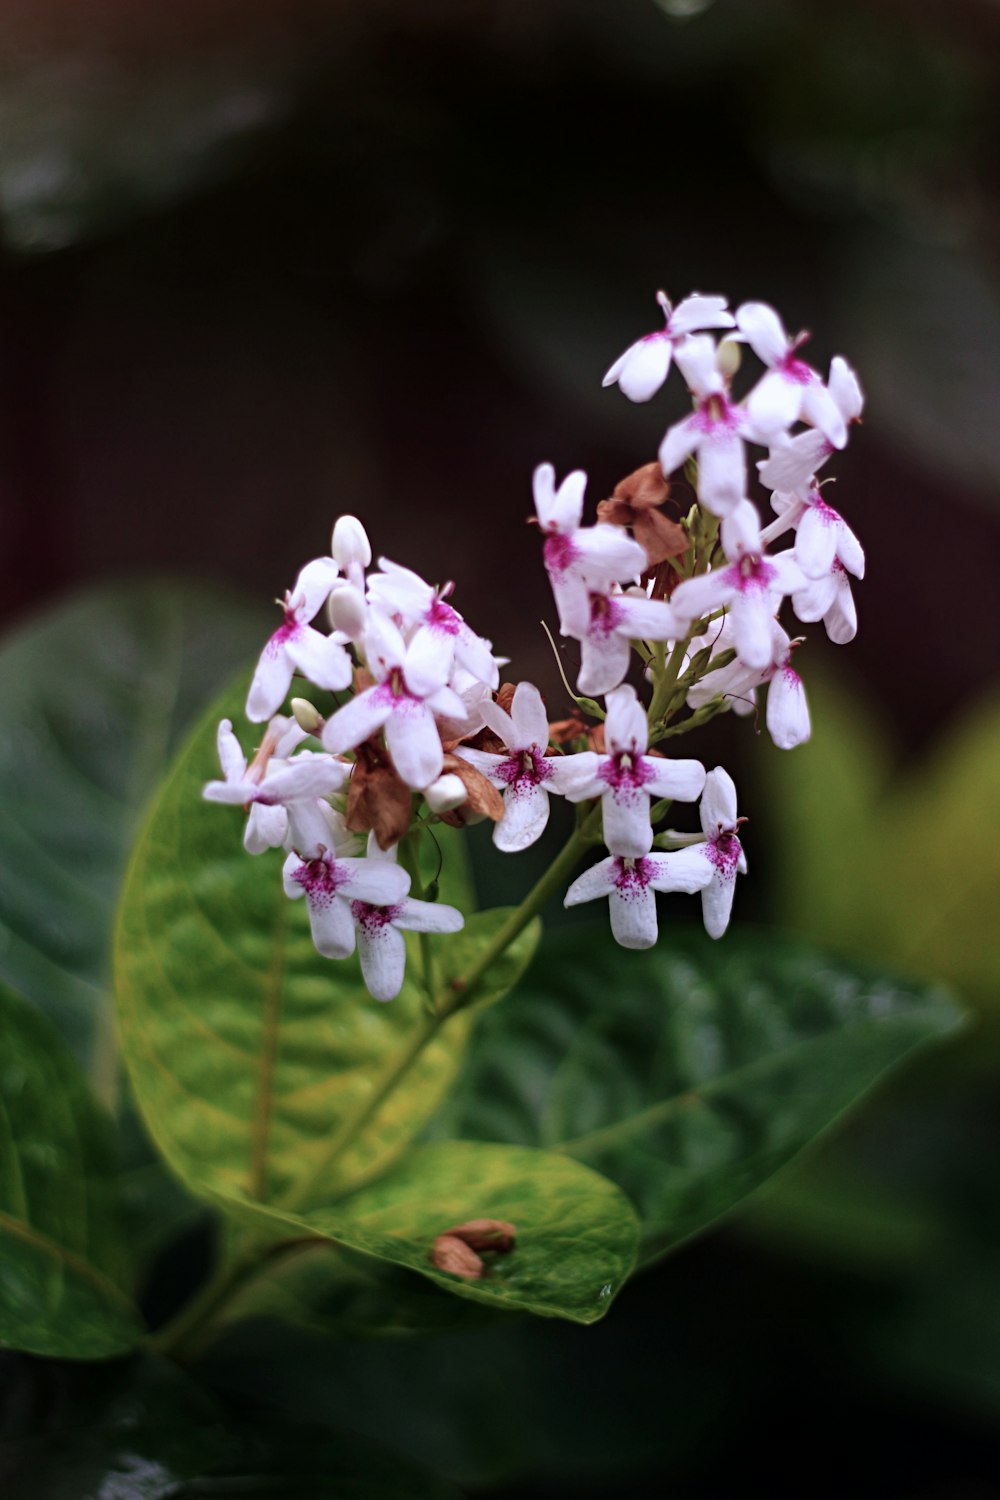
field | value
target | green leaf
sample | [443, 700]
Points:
[62, 1259]
[576, 1232]
[146, 1432]
[247, 1050]
[96, 695]
[688, 1074]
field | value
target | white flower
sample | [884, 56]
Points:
[331, 881]
[822, 536]
[791, 391]
[752, 589]
[829, 599]
[295, 644]
[714, 431]
[271, 781]
[723, 850]
[793, 463]
[379, 930]
[610, 622]
[410, 689]
[644, 366]
[527, 775]
[576, 555]
[629, 885]
[627, 779]
[787, 711]
[402, 593]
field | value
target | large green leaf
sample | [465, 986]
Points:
[62, 1259]
[96, 695]
[689, 1074]
[248, 1050]
[576, 1232]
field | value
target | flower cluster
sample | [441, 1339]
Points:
[429, 734]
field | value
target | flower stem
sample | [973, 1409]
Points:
[455, 995]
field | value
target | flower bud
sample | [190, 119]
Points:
[728, 357]
[346, 610]
[445, 794]
[350, 543]
[307, 715]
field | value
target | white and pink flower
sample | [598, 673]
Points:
[714, 432]
[577, 556]
[411, 687]
[295, 645]
[791, 391]
[627, 780]
[605, 629]
[271, 781]
[525, 775]
[630, 885]
[642, 369]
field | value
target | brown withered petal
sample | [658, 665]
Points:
[564, 730]
[661, 537]
[363, 679]
[486, 1234]
[377, 798]
[449, 1253]
[595, 738]
[505, 695]
[482, 796]
[664, 579]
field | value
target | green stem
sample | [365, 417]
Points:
[451, 998]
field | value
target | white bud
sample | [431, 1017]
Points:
[729, 356]
[307, 716]
[445, 794]
[346, 609]
[350, 544]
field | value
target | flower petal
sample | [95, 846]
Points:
[321, 658]
[679, 443]
[382, 951]
[644, 367]
[526, 812]
[625, 728]
[381, 882]
[718, 803]
[266, 828]
[700, 311]
[528, 716]
[231, 757]
[312, 588]
[271, 680]
[427, 916]
[717, 902]
[627, 829]
[683, 780]
[763, 331]
[575, 776]
[816, 540]
[633, 916]
[599, 880]
[787, 710]
[357, 721]
[604, 661]
[722, 471]
[414, 743]
[687, 870]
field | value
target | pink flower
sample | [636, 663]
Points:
[714, 432]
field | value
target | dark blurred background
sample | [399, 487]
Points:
[263, 263]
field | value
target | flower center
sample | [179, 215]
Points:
[525, 768]
[373, 919]
[320, 879]
[560, 552]
[632, 877]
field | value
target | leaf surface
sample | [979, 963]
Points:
[247, 1049]
[97, 695]
[576, 1232]
[62, 1258]
[689, 1074]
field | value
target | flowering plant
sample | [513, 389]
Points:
[526, 1157]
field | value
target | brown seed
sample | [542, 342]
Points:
[454, 1255]
[486, 1234]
